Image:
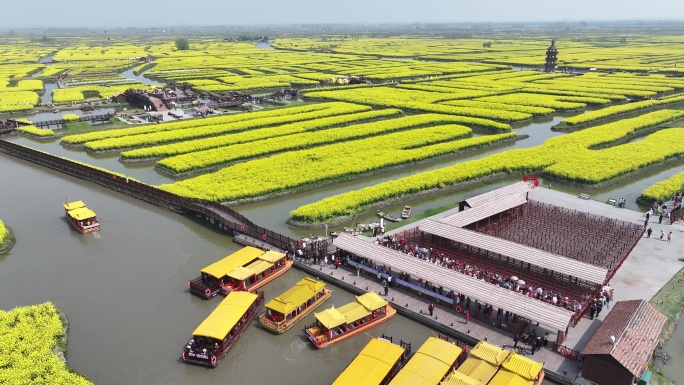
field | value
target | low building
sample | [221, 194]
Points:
[621, 348]
[119, 98]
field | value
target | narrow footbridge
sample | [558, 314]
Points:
[217, 214]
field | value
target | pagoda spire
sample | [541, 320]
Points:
[551, 57]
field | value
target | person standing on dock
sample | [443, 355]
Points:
[669, 237]
[467, 316]
[431, 308]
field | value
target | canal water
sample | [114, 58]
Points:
[124, 288]
[142, 79]
[264, 45]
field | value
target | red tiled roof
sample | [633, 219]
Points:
[636, 326]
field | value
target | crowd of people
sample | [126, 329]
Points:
[660, 209]
[452, 263]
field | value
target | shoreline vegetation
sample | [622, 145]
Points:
[669, 300]
[585, 167]
[663, 190]
[39, 334]
[7, 239]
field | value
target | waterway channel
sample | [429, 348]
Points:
[124, 288]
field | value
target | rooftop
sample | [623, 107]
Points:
[636, 326]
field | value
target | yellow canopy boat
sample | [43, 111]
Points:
[284, 311]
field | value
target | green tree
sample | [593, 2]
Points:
[182, 44]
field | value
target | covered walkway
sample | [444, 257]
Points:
[529, 308]
[485, 210]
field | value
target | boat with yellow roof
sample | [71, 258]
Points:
[208, 284]
[245, 270]
[82, 218]
[481, 365]
[430, 365]
[264, 269]
[334, 325]
[214, 337]
[376, 364]
[519, 370]
[491, 365]
[284, 311]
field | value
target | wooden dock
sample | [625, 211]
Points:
[444, 320]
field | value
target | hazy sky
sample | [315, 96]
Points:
[146, 13]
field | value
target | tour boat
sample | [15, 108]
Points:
[81, 217]
[376, 364]
[334, 325]
[389, 217]
[406, 212]
[213, 338]
[263, 270]
[208, 284]
[284, 311]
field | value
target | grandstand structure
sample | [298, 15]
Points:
[546, 264]
[554, 248]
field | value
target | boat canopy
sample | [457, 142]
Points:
[353, 311]
[522, 366]
[430, 364]
[272, 256]
[295, 296]
[372, 364]
[331, 318]
[371, 301]
[478, 369]
[239, 258]
[259, 266]
[504, 377]
[483, 361]
[439, 350]
[458, 378]
[241, 273]
[81, 213]
[490, 353]
[222, 320]
[74, 205]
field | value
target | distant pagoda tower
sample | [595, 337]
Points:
[551, 57]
